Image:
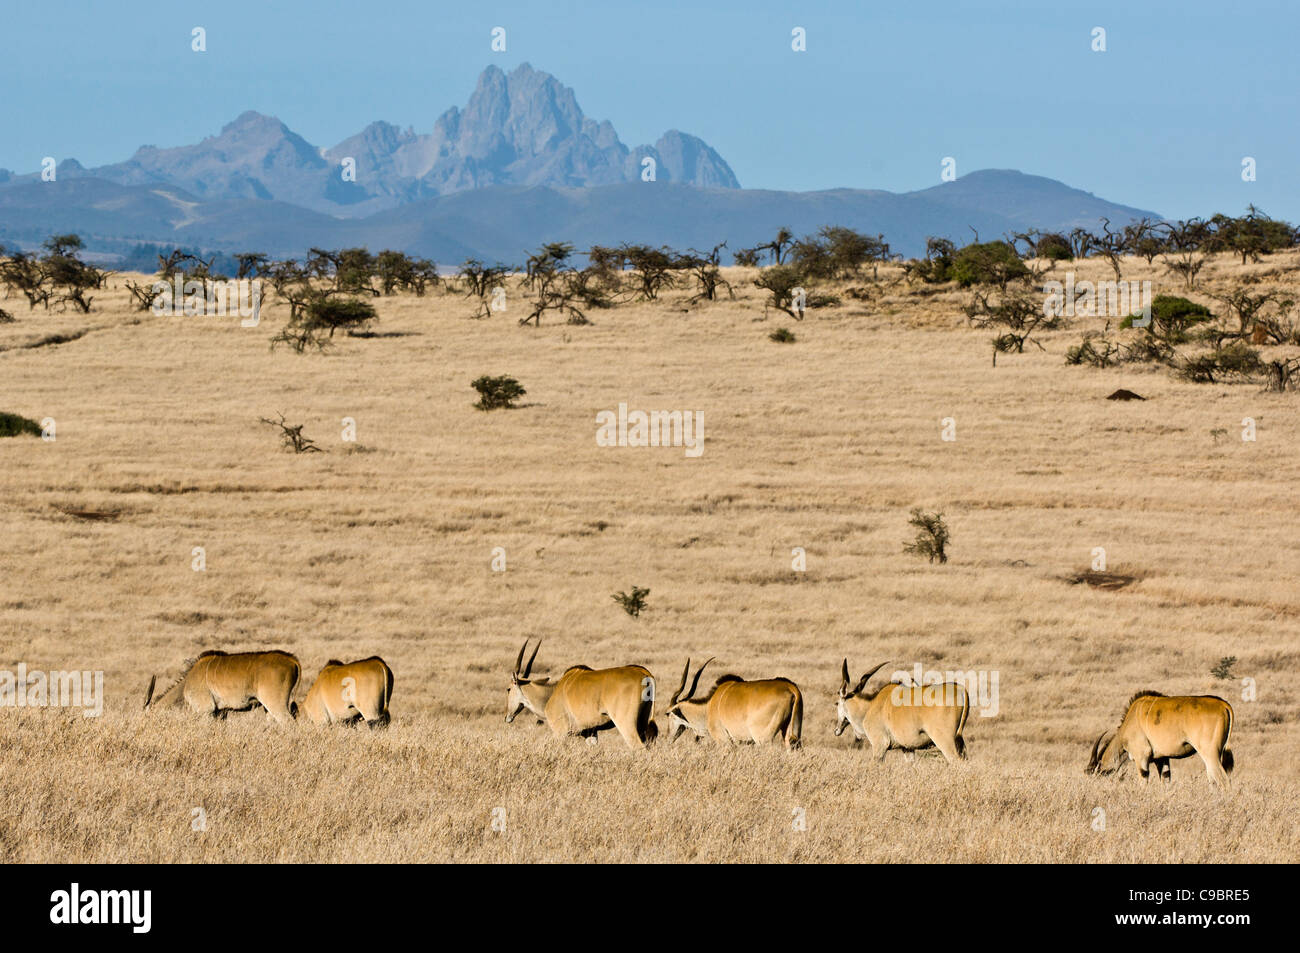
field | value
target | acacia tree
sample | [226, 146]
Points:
[26, 274]
[653, 268]
[1251, 236]
[251, 264]
[480, 282]
[708, 274]
[1184, 249]
[1111, 245]
[347, 270]
[847, 251]
[784, 239]
[1081, 242]
[319, 317]
[783, 284]
[68, 274]
[1017, 314]
[293, 284]
[1249, 309]
[553, 282]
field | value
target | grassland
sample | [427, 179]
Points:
[384, 546]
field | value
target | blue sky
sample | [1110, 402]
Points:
[1161, 120]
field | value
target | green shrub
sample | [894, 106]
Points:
[1223, 669]
[1054, 247]
[333, 314]
[932, 536]
[781, 282]
[1093, 351]
[1236, 360]
[1172, 317]
[633, 602]
[782, 336]
[989, 263]
[12, 425]
[497, 392]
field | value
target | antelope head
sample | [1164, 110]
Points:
[517, 700]
[1102, 761]
[681, 708]
[847, 693]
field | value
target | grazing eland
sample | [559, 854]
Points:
[218, 683]
[351, 692]
[1157, 727]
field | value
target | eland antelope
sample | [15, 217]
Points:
[218, 683]
[1157, 727]
[908, 717]
[585, 701]
[739, 712]
[350, 693]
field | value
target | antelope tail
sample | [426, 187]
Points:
[645, 715]
[1226, 759]
[794, 730]
[961, 724]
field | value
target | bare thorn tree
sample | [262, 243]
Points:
[292, 437]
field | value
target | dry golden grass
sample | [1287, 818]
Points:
[384, 547]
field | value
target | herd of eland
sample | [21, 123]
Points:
[583, 702]
[217, 683]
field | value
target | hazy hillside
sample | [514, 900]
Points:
[519, 164]
[501, 222]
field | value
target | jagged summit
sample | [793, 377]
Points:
[524, 127]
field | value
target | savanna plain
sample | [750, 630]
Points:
[384, 545]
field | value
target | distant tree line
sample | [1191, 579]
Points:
[332, 291]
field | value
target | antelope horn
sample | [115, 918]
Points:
[844, 673]
[148, 696]
[862, 682]
[520, 660]
[1094, 759]
[696, 684]
[529, 667]
[686, 671]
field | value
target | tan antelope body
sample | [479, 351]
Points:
[1156, 728]
[736, 711]
[584, 701]
[218, 683]
[351, 692]
[907, 717]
